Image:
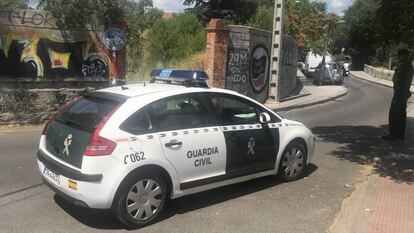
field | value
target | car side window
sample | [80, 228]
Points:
[180, 112]
[232, 111]
[138, 123]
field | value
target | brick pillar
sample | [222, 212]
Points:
[216, 52]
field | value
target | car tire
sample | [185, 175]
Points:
[293, 163]
[140, 200]
[317, 82]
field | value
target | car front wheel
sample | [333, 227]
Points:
[141, 200]
[293, 161]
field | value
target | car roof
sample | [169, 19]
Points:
[139, 89]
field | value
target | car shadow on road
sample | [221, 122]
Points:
[103, 219]
[363, 145]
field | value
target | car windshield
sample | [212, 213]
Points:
[86, 113]
[333, 66]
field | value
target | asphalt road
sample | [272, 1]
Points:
[262, 205]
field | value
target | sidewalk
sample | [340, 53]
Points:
[383, 203]
[311, 95]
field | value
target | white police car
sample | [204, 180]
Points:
[131, 148]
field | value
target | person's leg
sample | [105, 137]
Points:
[403, 121]
[393, 120]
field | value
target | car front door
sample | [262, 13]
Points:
[194, 147]
[251, 146]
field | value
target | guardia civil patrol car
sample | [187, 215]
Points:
[130, 148]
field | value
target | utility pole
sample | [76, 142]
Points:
[276, 50]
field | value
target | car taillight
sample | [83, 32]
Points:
[97, 145]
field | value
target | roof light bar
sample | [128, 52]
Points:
[193, 78]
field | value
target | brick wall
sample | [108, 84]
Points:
[216, 52]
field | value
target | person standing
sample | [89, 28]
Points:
[402, 80]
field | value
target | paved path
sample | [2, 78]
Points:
[309, 96]
[383, 204]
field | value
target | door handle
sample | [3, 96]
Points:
[234, 138]
[173, 143]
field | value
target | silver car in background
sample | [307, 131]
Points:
[330, 73]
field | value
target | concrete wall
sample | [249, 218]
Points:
[289, 67]
[248, 62]
[379, 73]
[238, 58]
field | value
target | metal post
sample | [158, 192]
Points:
[276, 50]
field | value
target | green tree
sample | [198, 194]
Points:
[12, 4]
[263, 18]
[172, 40]
[363, 31]
[396, 19]
[306, 21]
[237, 11]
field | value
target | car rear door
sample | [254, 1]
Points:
[194, 147]
[251, 146]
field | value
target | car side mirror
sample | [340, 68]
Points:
[264, 118]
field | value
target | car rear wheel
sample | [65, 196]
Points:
[141, 200]
[293, 161]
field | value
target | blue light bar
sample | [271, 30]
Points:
[187, 77]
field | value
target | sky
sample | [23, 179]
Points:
[336, 6]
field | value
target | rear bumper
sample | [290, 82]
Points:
[64, 195]
[67, 171]
[93, 186]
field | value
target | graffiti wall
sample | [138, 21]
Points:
[43, 66]
[248, 62]
[288, 68]
[31, 45]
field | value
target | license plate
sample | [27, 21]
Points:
[52, 176]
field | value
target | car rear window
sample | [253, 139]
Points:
[86, 113]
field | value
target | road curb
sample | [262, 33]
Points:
[410, 107]
[371, 81]
[316, 102]
[376, 82]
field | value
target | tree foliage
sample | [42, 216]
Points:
[376, 29]
[12, 4]
[237, 11]
[307, 21]
[263, 18]
[174, 39]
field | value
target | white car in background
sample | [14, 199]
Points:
[313, 60]
[130, 148]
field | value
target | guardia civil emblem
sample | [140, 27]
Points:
[66, 144]
[250, 145]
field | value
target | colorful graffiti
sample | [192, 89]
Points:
[31, 45]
